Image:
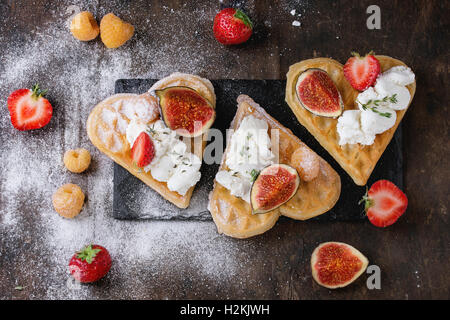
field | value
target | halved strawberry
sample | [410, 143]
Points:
[143, 150]
[362, 72]
[28, 109]
[384, 203]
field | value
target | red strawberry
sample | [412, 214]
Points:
[362, 72]
[143, 150]
[28, 109]
[384, 203]
[232, 26]
[90, 263]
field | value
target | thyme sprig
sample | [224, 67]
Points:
[254, 173]
[373, 104]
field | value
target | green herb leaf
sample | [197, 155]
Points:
[151, 130]
[393, 99]
[254, 173]
[19, 288]
[373, 104]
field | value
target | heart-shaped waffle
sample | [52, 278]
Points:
[357, 160]
[108, 121]
[233, 215]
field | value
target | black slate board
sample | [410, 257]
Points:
[134, 200]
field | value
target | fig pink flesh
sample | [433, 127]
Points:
[185, 109]
[336, 264]
[275, 187]
[318, 93]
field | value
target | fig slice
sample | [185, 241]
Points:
[336, 264]
[317, 93]
[185, 111]
[275, 185]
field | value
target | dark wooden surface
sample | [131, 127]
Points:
[413, 254]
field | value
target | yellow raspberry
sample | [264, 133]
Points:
[306, 162]
[77, 160]
[114, 32]
[68, 200]
[84, 27]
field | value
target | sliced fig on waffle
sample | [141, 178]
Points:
[274, 186]
[185, 111]
[318, 94]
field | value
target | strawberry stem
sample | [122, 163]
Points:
[366, 200]
[87, 253]
[357, 55]
[244, 18]
[38, 92]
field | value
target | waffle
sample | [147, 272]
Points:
[357, 160]
[233, 216]
[108, 120]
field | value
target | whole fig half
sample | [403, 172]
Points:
[318, 94]
[185, 111]
[337, 264]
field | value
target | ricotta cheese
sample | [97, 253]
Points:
[350, 131]
[401, 94]
[400, 75]
[377, 107]
[372, 123]
[367, 95]
[173, 163]
[235, 183]
[249, 151]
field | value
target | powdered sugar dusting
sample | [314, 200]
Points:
[78, 76]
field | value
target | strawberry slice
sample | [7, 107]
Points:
[362, 72]
[143, 150]
[384, 203]
[29, 109]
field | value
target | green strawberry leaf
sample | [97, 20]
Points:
[38, 92]
[368, 203]
[244, 18]
[88, 254]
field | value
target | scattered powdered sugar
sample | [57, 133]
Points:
[34, 237]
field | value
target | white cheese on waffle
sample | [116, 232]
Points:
[249, 151]
[173, 162]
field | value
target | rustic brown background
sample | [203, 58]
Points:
[413, 254]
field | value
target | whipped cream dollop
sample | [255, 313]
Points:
[173, 162]
[377, 107]
[249, 151]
